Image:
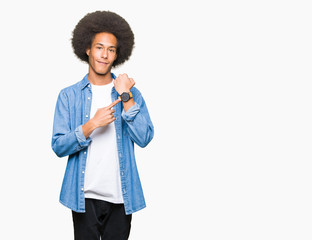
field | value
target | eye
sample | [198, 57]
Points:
[99, 47]
[112, 50]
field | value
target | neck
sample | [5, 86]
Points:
[97, 79]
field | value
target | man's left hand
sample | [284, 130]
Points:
[123, 83]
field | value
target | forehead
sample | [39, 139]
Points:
[104, 38]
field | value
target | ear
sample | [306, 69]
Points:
[88, 51]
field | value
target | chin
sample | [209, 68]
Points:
[101, 73]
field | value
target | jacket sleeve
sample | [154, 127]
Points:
[139, 124]
[66, 141]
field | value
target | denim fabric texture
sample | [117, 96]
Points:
[134, 126]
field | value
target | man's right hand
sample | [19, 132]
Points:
[101, 118]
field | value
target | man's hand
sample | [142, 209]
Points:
[102, 117]
[105, 115]
[123, 83]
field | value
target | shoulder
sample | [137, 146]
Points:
[72, 89]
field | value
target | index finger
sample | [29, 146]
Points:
[113, 103]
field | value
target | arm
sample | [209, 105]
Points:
[66, 141]
[102, 117]
[139, 125]
[124, 84]
[135, 113]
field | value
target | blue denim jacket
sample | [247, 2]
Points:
[134, 126]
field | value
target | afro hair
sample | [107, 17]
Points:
[103, 21]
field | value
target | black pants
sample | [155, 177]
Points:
[102, 219]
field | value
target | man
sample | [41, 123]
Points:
[96, 123]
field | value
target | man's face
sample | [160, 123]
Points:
[103, 53]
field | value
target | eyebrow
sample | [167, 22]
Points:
[104, 46]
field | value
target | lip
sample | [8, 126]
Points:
[103, 63]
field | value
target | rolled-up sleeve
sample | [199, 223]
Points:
[83, 142]
[131, 113]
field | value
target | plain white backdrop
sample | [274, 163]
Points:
[228, 87]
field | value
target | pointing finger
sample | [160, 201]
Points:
[113, 103]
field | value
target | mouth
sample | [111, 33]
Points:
[103, 63]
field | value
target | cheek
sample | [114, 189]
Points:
[95, 54]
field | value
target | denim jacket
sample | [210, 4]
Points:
[134, 126]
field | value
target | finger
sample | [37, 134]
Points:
[122, 75]
[132, 81]
[113, 103]
[109, 110]
[112, 117]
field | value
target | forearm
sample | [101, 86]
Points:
[88, 128]
[102, 117]
[139, 125]
[64, 144]
[128, 105]
[140, 131]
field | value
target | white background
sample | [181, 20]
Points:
[228, 86]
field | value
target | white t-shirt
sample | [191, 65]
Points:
[102, 175]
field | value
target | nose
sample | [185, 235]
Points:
[104, 53]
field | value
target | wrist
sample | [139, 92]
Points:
[126, 96]
[124, 90]
[92, 124]
[88, 128]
